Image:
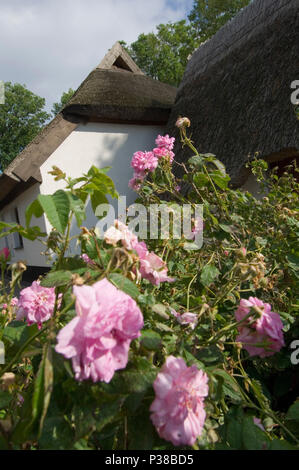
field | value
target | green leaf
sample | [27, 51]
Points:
[226, 228]
[124, 284]
[278, 444]
[5, 399]
[209, 355]
[78, 207]
[43, 386]
[253, 437]
[200, 179]
[230, 385]
[221, 180]
[57, 434]
[56, 278]
[140, 432]
[151, 340]
[56, 208]
[33, 209]
[293, 411]
[196, 161]
[108, 413]
[16, 334]
[209, 274]
[97, 198]
[233, 427]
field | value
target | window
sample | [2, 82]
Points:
[17, 239]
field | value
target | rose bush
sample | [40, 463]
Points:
[156, 344]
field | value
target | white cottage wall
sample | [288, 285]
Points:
[31, 251]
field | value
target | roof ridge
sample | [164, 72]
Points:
[118, 56]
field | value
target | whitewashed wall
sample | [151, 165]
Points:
[92, 144]
[31, 251]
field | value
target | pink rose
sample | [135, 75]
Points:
[98, 338]
[178, 410]
[4, 255]
[165, 142]
[112, 236]
[151, 266]
[267, 328]
[162, 152]
[36, 304]
[144, 161]
[186, 318]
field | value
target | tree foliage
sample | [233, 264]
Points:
[21, 119]
[65, 98]
[163, 55]
[207, 16]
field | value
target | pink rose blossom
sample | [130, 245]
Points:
[98, 338]
[112, 236]
[119, 232]
[162, 152]
[178, 410]
[186, 318]
[166, 142]
[151, 266]
[4, 254]
[36, 304]
[267, 328]
[129, 239]
[14, 301]
[144, 161]
[135, 184]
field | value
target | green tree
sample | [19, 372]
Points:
[65, 98]
[163, 55]
[207, 16]
[21, 119]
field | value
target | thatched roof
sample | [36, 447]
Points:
[236, 88]
[121, 96]
[115, 91]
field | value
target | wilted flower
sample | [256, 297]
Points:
[178, 410]
[98, 338]
[144, 162]
[263, 336]
[36, 304]
[183, 122]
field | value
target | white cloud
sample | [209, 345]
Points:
[51, 45]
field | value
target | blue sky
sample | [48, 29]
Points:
[52, 45]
